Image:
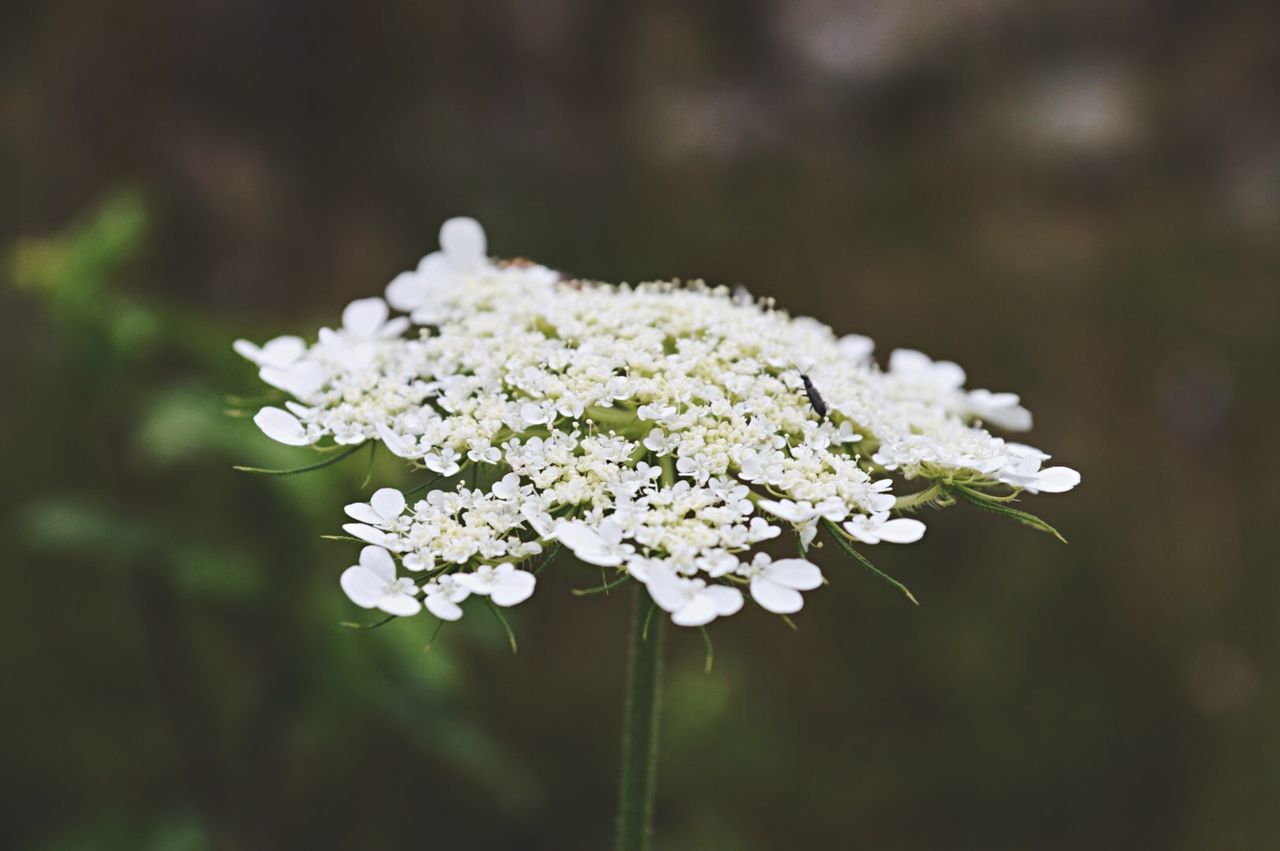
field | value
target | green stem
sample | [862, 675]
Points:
[603, 588]
[640, 729]
[839, 537]
[668, 470]
[911, 500]
[615, 417]
[334, 459]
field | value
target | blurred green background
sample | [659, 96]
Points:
[1078, 201]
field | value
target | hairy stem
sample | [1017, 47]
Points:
[923, 497]
[640, 728]
[617, 417]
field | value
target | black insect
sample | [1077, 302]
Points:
[815, 398]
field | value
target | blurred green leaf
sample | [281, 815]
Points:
[186, 421]
[107, 537]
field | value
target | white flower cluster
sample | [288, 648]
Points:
[659, 430]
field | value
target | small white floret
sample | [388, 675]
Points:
[878, 527]
[382, 510]
[443, 596]
[504, 584]
[691, 602]
[283, 427]
[280, 352]
[372, 584]
[601, 546]
[463, 242]
[776, 585]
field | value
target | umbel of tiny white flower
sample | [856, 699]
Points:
[661, 432]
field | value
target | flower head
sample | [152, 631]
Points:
[661, 431]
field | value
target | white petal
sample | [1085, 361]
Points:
[1023, 451]
[532, 414]
[462, 240]
[394, 327]
[379, 562]
[399, 604]
[726, 600]
[434, 268]
[610, 532]
[539, 521]
[456, 592]
[1000, 409]
[948, 374]
[993, 400]
[364, 587]
[247, 350]
[575, 533]
[515, 587]
[364, 513]
[395, 444]
[473, 582]
[407, 291]
[787, 510]
[353, 355]
[855, 346]
[363, 317]
[282, 351]
[586, 544]
[297, 409]
[909, 362]
[1056, 480]
[388, 502]
[599, 557]
[862, 532]
[666, 589]
[901, 530]
[369, 534]
[718, 564]
[760, 529]
[442, 607]
[507, 487]
[300, 379]
[656, 441]
[282, 427]
[699, 611]
[638, 568]
[795, 573]
[832, 508]
[774, 597]
[882, 502]
[416, 562]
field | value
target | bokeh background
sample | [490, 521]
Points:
[1078, 200]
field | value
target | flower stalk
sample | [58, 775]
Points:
[638, 783]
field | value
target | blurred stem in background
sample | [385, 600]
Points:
[226, 699]
[640, 727]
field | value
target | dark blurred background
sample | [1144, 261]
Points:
[1077, 200]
